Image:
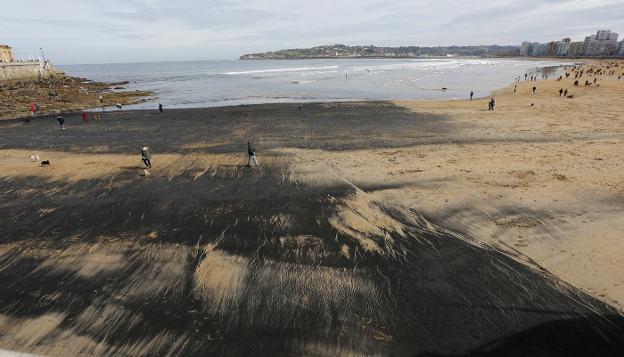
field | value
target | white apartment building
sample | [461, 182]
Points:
[562, 48]
[603, 43]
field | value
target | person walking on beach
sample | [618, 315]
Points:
[251, 155]
[61, 121]
[491, 104]
[146, 157]
[33, 109]
[85, 117]
[101, 100]
[525, 76]
[560, 92]
[471, 94]
[515, 88]
[565, 93]
[160, 108]
[534, 89]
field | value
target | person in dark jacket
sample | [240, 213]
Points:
[160, 108]
[471, 94]
[146, 157]
[61, 121]
[251, 155]
[491, 104]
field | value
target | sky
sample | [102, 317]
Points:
[108, 31]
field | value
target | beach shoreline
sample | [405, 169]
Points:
[228, 83]
[139, 97]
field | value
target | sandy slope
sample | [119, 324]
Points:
[367, 229]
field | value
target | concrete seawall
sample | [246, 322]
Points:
[26, 70]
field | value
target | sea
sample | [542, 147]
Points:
[226, 83]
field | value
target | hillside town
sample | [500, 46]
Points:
[603, 44]
[345, 51]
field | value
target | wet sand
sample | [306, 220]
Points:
[376, 228]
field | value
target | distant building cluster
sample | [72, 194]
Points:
[603, 44]
[6, 54]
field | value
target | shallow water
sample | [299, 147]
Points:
[220, 83]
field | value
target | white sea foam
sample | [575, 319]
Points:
[317, 72]
[295, 69]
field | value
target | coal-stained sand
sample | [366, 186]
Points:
[206, 256]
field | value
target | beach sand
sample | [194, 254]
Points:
[370, 228]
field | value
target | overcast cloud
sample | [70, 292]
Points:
[99, 31]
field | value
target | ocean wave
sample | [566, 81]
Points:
[295, 69]
[423, 65]
[317, 72]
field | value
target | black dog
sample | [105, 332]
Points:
[45, 163]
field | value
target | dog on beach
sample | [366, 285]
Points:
[45, 163]
[118, 105]
[34, 157]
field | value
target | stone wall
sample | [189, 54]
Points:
[26, 70]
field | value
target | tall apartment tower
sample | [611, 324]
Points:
[603, 43]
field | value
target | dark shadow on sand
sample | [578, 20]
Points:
[424, 291]
[564, 337]
[327, 126]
